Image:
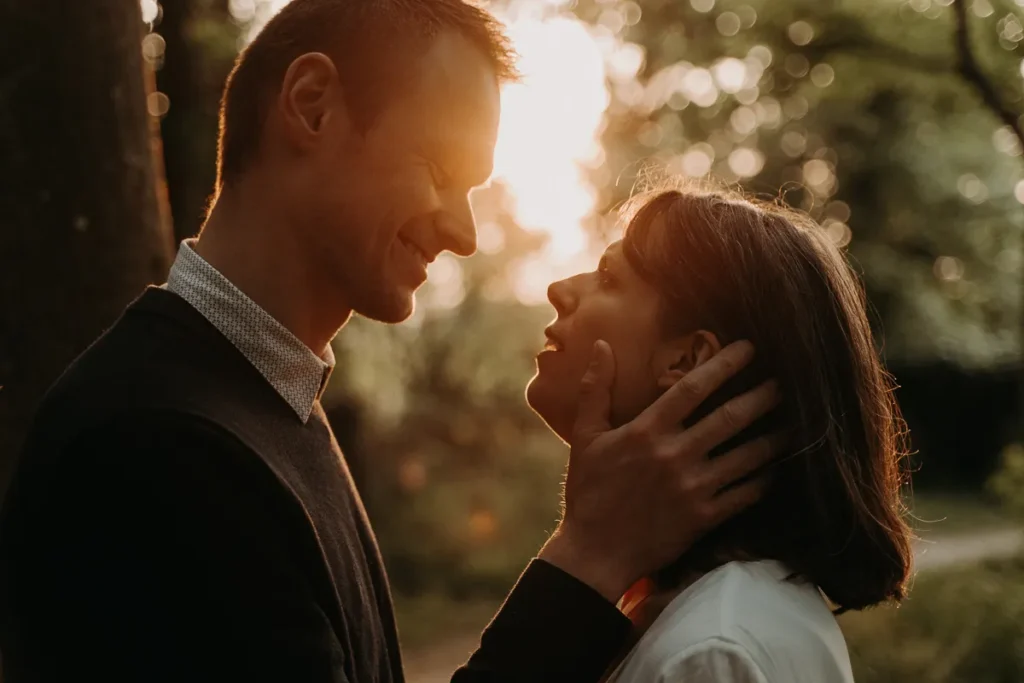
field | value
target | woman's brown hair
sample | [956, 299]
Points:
[744, 269]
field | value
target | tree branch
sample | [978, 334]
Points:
[971, 72]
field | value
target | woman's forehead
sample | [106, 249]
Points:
[646, 230]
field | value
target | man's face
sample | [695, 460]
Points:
[376, 208]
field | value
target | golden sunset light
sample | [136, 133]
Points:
[256, 335]
[550, 123]
[549, 127]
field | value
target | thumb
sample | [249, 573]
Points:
[595, 402]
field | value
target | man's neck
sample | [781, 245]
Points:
[249, 243]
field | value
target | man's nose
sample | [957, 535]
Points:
[456, 226]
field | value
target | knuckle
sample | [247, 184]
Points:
[665, 453]
[704, 511]
[588, 383]
[733, 415]
[691, 386]
[689, 485]
[730, 365]
[640, 435]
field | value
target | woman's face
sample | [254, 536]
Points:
[615, 304]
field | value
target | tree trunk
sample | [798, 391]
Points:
[81, 226]
[200, 49]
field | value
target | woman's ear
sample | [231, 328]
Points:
[681, 355]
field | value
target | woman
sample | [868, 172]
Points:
[751, 601]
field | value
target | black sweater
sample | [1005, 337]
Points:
[172, 519]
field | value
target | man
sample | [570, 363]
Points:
[182, 511]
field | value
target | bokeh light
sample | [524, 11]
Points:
[800, 32]
[948, 268]
[150, 11]
[549, 127]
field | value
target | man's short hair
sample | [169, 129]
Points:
[374, 45]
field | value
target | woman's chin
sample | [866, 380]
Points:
[549, 407]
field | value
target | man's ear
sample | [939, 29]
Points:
[309, 99]
[681, 355]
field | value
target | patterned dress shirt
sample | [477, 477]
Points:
[291, 367]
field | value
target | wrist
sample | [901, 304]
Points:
[599, 571]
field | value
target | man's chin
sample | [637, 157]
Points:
[389, 310]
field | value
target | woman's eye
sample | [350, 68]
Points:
[604, 277]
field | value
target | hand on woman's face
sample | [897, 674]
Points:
[615, 304]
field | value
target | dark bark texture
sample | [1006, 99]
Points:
[82, 231]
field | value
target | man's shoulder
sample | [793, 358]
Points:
[157, 359]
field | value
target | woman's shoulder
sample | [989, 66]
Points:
[747, 617]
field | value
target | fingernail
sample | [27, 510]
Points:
[745, 348]
[595, 354]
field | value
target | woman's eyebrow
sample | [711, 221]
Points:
[611, 259]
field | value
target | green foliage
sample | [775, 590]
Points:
[957, 626]
[1007, 484]
[859, 114]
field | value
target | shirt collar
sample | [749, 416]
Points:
[295, 372]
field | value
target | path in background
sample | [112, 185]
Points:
[965, 548]
[437, 664]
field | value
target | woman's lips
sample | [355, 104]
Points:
[552, 342]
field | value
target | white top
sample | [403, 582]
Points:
[741, 623]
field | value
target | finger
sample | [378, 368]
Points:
[742, 461]
[732, 417]
[592, 412]
[731, 502]
[684, 396]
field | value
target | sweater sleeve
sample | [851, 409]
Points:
[552, 627]
[167, 560]
[714, 660]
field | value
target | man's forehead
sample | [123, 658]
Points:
[456, 101]
[454, 72]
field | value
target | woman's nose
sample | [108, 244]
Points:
[562, 296]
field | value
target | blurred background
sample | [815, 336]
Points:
[896, 123]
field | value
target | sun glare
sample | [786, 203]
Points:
[549, 127]
[550, 124]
